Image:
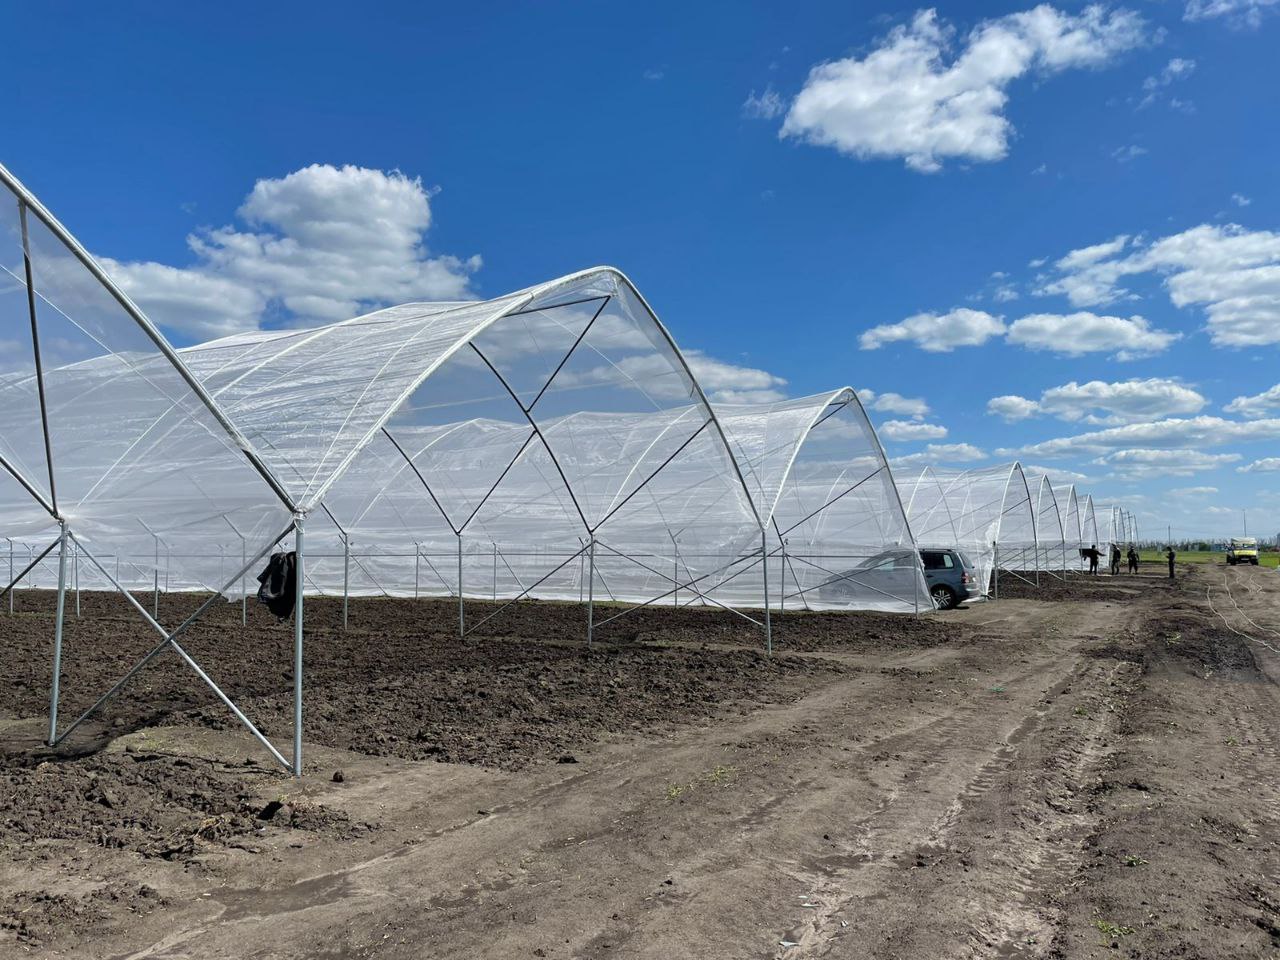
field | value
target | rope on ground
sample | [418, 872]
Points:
[1253, 622]
[1208, 595]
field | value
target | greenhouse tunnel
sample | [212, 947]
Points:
[549, 443]
[1051, 538]
[987, 513]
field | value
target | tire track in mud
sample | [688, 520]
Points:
[1002, 877]
[953, 813]
[1194, 786]
[1249, 708]
[627, 789]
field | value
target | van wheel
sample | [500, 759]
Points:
[943, 598]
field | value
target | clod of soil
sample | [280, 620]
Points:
[154, 805]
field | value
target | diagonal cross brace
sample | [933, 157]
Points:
[29, 567]
[171, 640]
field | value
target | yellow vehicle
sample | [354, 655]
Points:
[1242, 550]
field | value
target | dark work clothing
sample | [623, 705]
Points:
[279, 584]
[1093, 556]
[1171, 556]
[1133, 561]
[1115, 560]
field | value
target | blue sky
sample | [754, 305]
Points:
[810, 195]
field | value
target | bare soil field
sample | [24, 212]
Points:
[1086, 769]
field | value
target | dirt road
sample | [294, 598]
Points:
[1092, 774]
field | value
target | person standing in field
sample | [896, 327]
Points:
[1172, 556]
[1133, 559]
[1093, 557]
[1115, 560]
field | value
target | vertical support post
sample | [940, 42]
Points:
[300, 580]
[995, 555]
[155, 603]
[782, 578]
[764, 564]
[12, 586]
[75, 574]
[591, 589]
[462, 612]
[346, 576]
[417, 562]
[923, 582]
[244, 594]
[675, 570]
[495, 572]
[57, 636]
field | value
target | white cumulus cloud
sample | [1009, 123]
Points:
[1099, 402]
[1243, 13]
[1265, 465]
[1256, 406]
[1011, 407]
[1142, 463]
[1059, 477]
[914, 407]
[1172, 433]
[937, 333]
[1233, 272]
[905, 430]
[730, 383]
[323, 243]
[942, 453]
[917, 97]
[1076, 334]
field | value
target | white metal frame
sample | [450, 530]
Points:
[29, 204]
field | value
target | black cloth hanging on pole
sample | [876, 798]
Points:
[278, 584]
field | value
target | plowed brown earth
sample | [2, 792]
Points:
[1084, 770]
[1077, 586]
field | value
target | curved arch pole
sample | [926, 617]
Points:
[158, 341]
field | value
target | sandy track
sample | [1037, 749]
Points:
[976, 797]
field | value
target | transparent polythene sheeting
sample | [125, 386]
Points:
[145, 471]
[311, 400]
[614, 443]
[925, 499]
[1050, 532]
[1089, 523]
[685, 531]
[987, 513]
[522, 428]
[837, 534]
[1069, 504]
[1108, 524]
[133, 452]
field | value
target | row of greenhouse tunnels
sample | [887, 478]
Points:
[549, 444]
